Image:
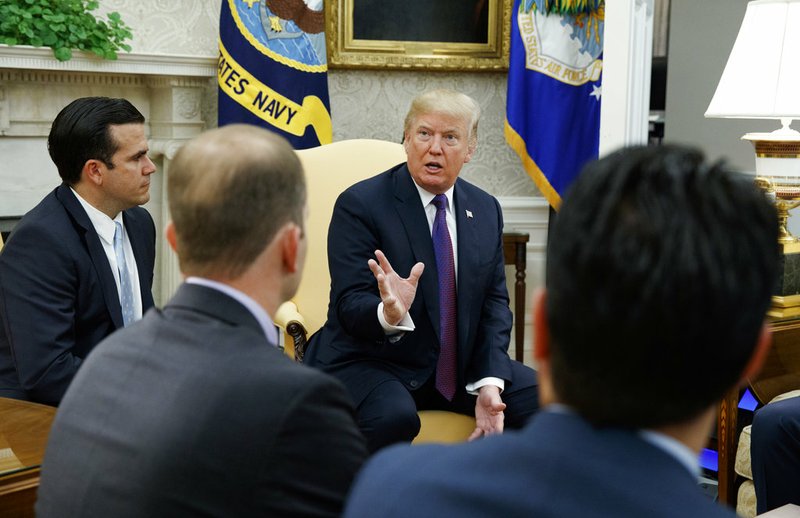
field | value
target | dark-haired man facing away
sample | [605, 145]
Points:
[659, 275]
[79, 265]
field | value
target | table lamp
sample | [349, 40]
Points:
[762, 81]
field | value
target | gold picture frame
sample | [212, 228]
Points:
[352, 25]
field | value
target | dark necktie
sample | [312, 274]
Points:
[448, 333]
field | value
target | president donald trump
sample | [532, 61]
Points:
[419, 315]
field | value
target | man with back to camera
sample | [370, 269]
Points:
[446, 347]
[194, 410]
[659, 274]
[79, 265]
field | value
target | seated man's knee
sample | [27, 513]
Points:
[776, 426]
[386, 424]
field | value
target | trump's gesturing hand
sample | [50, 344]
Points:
[397, 293]
[489, 416]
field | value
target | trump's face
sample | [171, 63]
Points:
[437, 146]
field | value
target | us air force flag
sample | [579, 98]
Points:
[554, 88]
[272, 69]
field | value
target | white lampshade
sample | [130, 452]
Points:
[762, 77]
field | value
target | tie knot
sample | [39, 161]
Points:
[440, 200]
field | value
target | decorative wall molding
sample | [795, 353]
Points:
[627, 58]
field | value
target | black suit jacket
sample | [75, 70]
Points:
[192, 412]
[58, 297]
[385, 212]
[559, 465]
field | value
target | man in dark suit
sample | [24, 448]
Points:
[659, 274]
[775, 454]
[445, 347]
[194, 411]
[79, 265]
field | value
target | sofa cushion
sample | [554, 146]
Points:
[742, 465]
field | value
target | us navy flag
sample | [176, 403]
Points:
[272, 69]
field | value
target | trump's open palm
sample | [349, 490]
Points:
[397, 293]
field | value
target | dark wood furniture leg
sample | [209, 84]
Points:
[726, 447]
[515, 252]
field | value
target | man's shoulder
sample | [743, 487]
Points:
[473, 191]
[140, 218]
[382, 180]
[49, 210]
[48, 226]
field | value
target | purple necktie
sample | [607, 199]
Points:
[448, 333]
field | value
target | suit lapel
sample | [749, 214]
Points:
[139, 254]
[412, 215]
[467, 259]
[96, 252]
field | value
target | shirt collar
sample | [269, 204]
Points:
[427, 197]
[669, 445]
[261, 316]
[682, 453]
[103, 225]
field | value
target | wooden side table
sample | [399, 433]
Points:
[515, 251]
[24, 428]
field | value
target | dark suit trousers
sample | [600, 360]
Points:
[775, 454]
[388, 414]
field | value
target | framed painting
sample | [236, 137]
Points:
[419, 34]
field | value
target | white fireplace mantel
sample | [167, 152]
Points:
[41, 58]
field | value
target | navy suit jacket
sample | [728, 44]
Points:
[385, 213]
[192, 412]
[558, 465]
[58, 297]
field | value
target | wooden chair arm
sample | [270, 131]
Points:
[291, 321]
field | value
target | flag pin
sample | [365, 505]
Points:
[469, 213]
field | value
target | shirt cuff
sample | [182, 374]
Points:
[472, 388]
[395, 332]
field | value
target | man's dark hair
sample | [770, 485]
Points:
[80, 132]
[659, 274]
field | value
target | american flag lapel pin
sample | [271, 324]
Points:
[469, 213]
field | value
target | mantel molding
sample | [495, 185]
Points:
[41, 58]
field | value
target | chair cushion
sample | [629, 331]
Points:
[742, 465]
[785, 395]
[438, 426]
[746, 500]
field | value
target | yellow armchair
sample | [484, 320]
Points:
[331, 169]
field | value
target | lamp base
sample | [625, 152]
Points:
[786, 298]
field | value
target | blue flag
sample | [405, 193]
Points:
[272, 69]
[554, 89]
